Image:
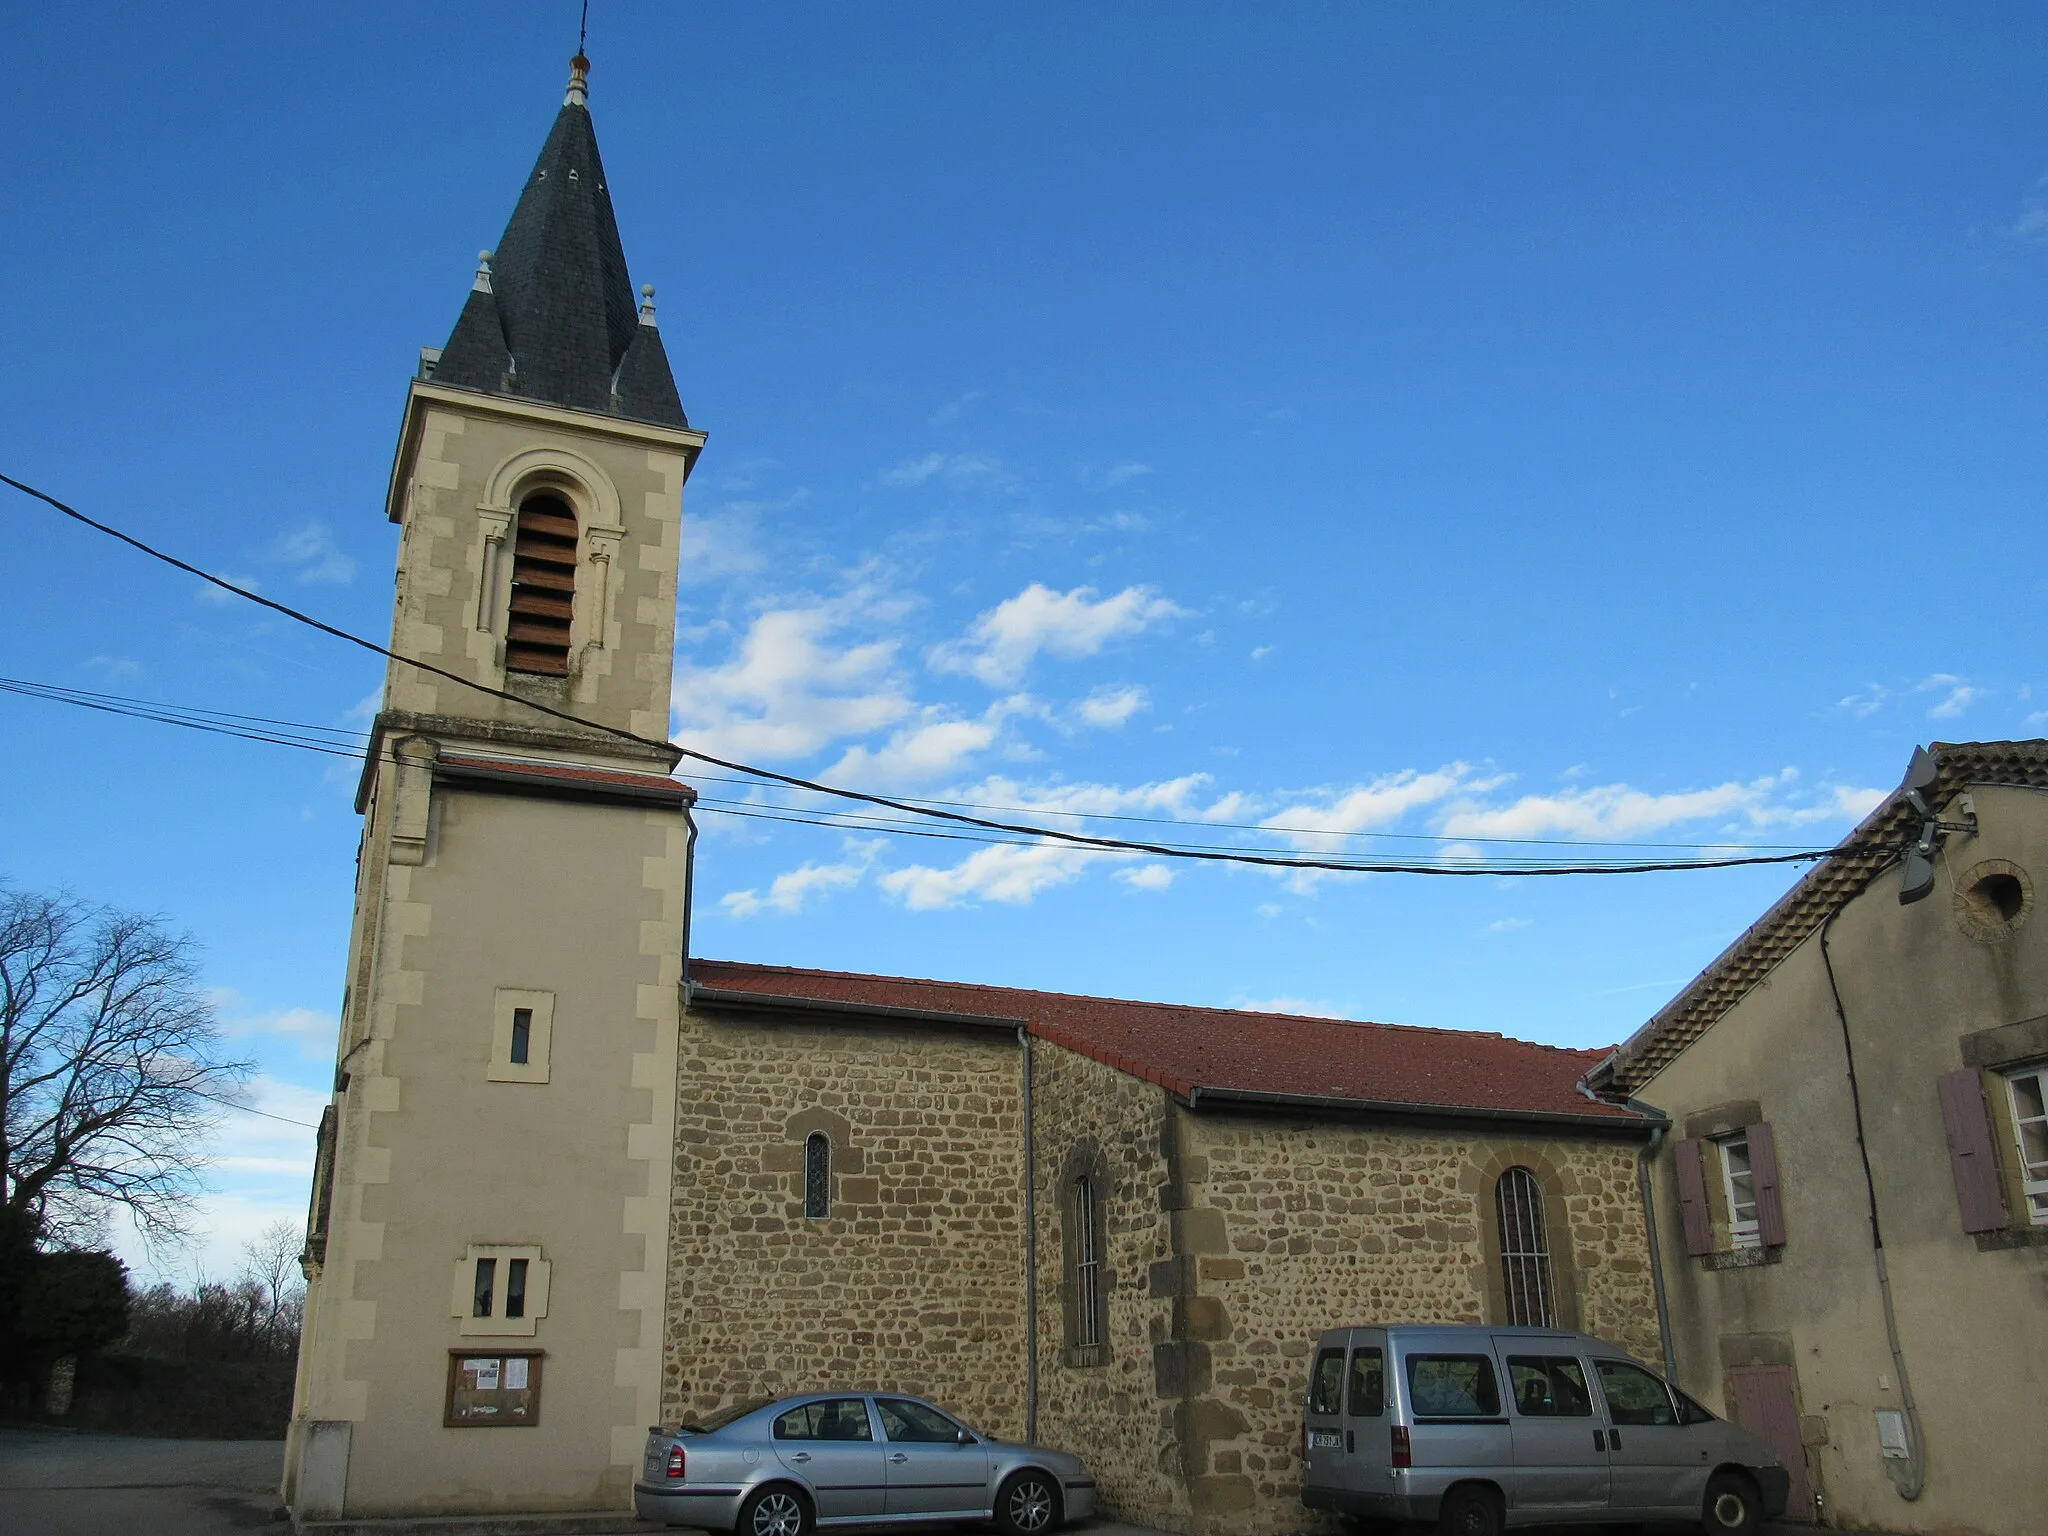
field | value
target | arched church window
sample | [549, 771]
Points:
[543, 586]
[817, 1176]
[1088, 1332]
[1527, 1281]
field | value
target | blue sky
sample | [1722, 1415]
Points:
[1605, 423]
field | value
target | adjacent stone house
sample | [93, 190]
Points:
[1852, 1210]
[574, 1182]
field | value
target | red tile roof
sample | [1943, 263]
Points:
[1228, 1050]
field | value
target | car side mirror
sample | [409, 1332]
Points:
[964, 1437]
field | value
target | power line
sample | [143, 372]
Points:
[1054, 834]
[248, 1109]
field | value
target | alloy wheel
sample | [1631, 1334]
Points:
[778, 1514]
[1030, 1506]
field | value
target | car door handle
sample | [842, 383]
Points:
[1599, 1441]
[801, 1456]
[899, 1456]
[1614, 1439]
[1350, 1440]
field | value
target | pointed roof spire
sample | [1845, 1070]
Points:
[559, 291]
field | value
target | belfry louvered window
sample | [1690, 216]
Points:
[1526, 1277]
[543, 587]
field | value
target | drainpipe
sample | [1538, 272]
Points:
[1911, 1478]
[689, 895]
[1643, 1160]
[1030, 1251]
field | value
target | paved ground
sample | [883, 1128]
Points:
[54, 1484]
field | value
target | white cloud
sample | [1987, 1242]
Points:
[721, 544]
[1002, 643]
[1112, 705]
[1507, 925]
[236, 1017]
[1368, 807]
[220, 597]
[787, 893]
[936, 746]
[1865, 704]
[934, 466]
[792, 686]
[318, 558]
[1956, 693]
[1010, 872]
[1146, 877]
[2032, 223]
[1261, 652]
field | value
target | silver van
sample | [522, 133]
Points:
[1481, 1429]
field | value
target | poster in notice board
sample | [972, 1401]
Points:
[493, 1389]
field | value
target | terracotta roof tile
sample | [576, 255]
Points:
[1184, 1048]
[1823, 891]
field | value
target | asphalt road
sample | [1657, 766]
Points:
[54, 1484]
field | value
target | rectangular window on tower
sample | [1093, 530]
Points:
[500, 1289]
[522, 1034]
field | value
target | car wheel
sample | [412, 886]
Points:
[1469, 1510]
[1028, 1505]
[774, 1511]
[1732, 1505]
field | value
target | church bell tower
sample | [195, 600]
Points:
[488, 1234]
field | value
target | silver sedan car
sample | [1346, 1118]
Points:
[781, 1468]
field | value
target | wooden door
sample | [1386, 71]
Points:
[1764, 1405]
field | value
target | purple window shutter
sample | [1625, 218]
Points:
[1763, 1173]
[1692, 1197]
[1970, 1157]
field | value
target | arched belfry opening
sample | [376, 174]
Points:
[543, 606]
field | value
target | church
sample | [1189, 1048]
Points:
[576, 1180]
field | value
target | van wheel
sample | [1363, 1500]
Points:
[1731, 1505]
[1470, 1510]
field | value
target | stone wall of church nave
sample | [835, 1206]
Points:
[914, 1280]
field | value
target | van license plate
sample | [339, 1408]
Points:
[1324, 1439]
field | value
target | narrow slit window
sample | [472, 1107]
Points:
[522, 1035]
[1087, 1268]
[515, 1288]
[817, 1176]
[486, 1283]
[543, 587]
[1526, 1276]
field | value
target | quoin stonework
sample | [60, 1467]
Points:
[575, 1181]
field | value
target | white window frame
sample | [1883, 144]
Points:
[1088, 1330]
[1528, 1282]
[2033, 1176]
[1743, 1232]
[539, 1007]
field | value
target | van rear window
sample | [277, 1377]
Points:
[1325, 1380]
[1453, 1387]
[1368, 1391]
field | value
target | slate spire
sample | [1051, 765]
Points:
[551, 316]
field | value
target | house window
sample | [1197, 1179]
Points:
[1738, 1188]
[1526, 1278]
[522, 1036]
[522, 1033]
[817, 1176]
[2029, 1095]
[1087, 1268]
[500, 1289]
[543, 586]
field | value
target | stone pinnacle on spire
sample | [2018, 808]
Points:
[483, 273]
[647, 304]
[579, 83]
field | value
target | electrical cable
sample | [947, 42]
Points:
[1053, 834]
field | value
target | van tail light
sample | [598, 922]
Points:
[1404, 1453]
[675, 1461]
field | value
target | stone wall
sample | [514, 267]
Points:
[1106, 1409]
[1295, 1227]
[914, 1282]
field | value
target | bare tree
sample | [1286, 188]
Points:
[111, 1069]
[271, 1260]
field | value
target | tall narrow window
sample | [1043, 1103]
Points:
[1087, 1268]
[543, 587]
[515, 1287]
[1738, 1187]
[2029, 1090]
[817, 1176]
[1524, 1251]
[522, 1035]
[486, 1283]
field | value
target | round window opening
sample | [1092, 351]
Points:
[1993, 899]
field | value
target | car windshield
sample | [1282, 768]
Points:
[704, 1423]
